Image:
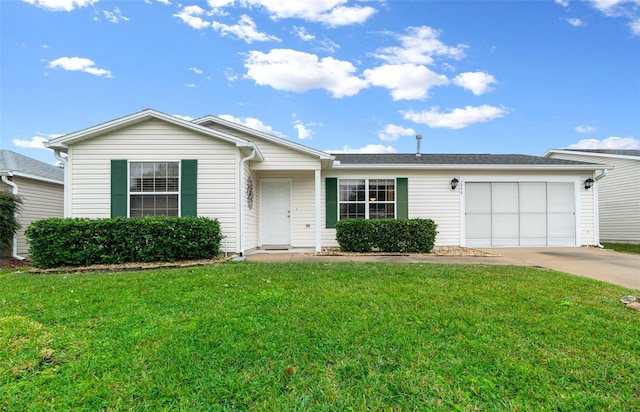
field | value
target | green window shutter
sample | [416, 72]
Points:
[331, 201]
[402, 197]
[119, 188]
[189, 188]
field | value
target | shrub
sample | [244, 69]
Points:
[9, 225]
[75, 241]
[386, 235]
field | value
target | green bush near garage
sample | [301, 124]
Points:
[59, 242]
[386, 235]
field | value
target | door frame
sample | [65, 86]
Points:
[576, 180]
[262, 208]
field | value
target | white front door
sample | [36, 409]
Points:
[275, 215]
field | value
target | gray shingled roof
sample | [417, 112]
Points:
[14, 162]
[452, 159]
[608, 151]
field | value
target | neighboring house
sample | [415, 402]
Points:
[618, 192]
[41, 187]
[270, 192]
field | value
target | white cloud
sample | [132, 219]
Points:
[230, 75]
[79, 64]
[291, 70]
[406, 81]
[165, 2]
[344, 16]
[576, 22]
[585, 129]
[246, 30]
[36, 142]
[330, 12]
[302, 34]
[635, 26]
[195, 70]
[614, 143]
[393, 132]
[563, 3]
[477, 82]
[114, 16]
[190, 85]
[457, 118]
[419, 46]
[60, 5]
[371, 148]
[220, 3]
[303, 131]
[626, 9]
[191, 16]
[252, 123]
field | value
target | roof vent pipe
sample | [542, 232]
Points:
[418, 139]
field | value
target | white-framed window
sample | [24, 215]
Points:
[367, 198]
[154, 188]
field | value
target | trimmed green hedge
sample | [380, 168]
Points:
[386, 235]
[58, 242]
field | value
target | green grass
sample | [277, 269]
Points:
[280, 337]
[623, 247]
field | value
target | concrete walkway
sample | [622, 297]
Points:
[618, 268]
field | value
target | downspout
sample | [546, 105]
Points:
[596, 205]
[14, 246]
[243, 161]
[63, 160]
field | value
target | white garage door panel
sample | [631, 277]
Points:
[520, 214]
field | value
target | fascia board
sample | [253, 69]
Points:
[33, 177]
[594, 154]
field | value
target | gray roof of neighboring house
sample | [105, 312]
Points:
[453, 159]
[629, 152]
[23, 165]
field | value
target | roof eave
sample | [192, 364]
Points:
[469, 167]
[63, 142]
[30, 176]
[594, 154]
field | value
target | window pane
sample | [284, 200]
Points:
[172, 169]
[172, 184]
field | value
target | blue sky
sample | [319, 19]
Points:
[336, 75]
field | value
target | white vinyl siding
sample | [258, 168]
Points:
[155, 140]
[40, 200]
[619, 197]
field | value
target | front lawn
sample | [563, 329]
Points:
[317, 337]
[623, 247]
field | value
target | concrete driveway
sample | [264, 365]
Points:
[618, 268]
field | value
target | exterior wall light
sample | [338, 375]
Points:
[588, 184]
[454, 183]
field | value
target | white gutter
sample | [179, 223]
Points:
[241, 195]
[338, 165]
[64, 159]
[596, 206]
[14, 246]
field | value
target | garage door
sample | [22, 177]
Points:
[520, 214]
